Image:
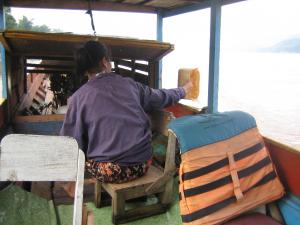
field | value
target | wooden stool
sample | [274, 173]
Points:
[154, 181]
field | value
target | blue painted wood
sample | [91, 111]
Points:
[290, 209]
[43, 128]
[3, 72]
[227, 2]
[214, 56]
[2, 18]
[159, 37]
[2, 51]
[201, 5]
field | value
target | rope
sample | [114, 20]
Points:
[89, 11]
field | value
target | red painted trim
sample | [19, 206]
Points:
[179, 110]
[287, 164]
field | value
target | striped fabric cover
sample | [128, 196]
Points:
[224, 178]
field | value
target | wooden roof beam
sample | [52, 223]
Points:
[80, 4]
[66, 67]
[227, 2]
[199, 4]
[49, 71]
[43, 57]
[5, 43]
[144, 2]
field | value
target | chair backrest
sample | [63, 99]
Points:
[159, 121]
[44, 158]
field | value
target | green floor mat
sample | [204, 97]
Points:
[19, 207]
[103, 216]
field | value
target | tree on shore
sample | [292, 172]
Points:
[10, 21]
[24, 23]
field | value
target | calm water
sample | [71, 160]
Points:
[267, 85]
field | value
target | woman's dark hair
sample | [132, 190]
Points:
[88, 57]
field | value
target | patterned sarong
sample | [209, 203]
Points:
[109, 172]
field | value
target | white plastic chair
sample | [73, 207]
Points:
[44, 158]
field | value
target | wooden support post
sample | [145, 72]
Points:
[118, 206]
[159, 37]
[24, 74]
[3, 53]
[98, 194]
[214, 55]
[5, 43]
[166, 196]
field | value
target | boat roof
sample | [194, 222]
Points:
[150, 6]
[34, 44]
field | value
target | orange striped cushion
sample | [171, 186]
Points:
[208, 194]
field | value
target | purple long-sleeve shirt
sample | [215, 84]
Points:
[107, 116]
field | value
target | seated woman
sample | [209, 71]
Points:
[108, 117]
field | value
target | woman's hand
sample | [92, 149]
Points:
[188, 87]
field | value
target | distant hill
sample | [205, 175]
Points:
[291, 45]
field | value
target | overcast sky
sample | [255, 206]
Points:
[260, 22]
[256, 21]
[106, 23]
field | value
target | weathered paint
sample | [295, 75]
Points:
[186, 9]
[214, 56]
[159, 37]
[179, 110]
[227, 2]
[2, 50]
[201, 5]
[287, 161]
[42, 128]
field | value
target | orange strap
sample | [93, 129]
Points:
[235, 179]
[181, 186]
